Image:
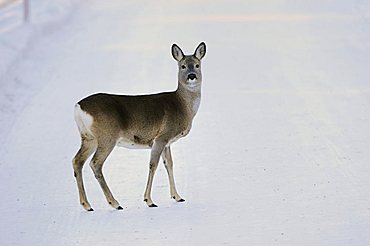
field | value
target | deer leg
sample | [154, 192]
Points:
[155, 154]
[88, 146]
[96, 165]
[168, 163]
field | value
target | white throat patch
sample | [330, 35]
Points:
[192, 85]
[196, 104]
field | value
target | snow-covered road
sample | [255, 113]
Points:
[278, 153]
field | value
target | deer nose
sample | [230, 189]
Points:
[192, 76]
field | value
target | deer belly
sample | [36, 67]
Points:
[132, 144]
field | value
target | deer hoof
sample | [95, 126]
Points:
[178, 200]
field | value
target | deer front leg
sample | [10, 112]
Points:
[155, 154]
[168, 163]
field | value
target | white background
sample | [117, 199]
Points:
[278, 153]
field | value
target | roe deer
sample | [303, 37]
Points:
[145, 121]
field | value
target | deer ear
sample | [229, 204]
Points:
[200, 51]
[177, 52]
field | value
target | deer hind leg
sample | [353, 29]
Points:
[96, 165]
[88, 146]
[155, 154]
[168, 163]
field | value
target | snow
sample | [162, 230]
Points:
[279, 149]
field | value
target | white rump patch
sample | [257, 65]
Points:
[83, 120]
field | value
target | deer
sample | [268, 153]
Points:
[151, 121]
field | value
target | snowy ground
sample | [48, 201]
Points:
[278, 153]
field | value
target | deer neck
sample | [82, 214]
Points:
[190, 96]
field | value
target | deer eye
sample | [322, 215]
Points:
[183, 66]
[197, 66]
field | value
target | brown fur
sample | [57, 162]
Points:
[137, 117]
